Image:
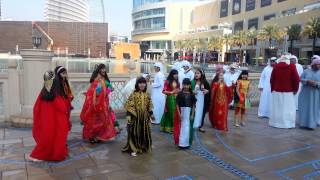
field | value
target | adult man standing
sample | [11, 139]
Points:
[284, 85]
[264, 86]
[231, 76]
[179, 67]
[294, 60]
[157, 97]
[188, 73]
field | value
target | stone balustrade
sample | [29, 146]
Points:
[19, 86]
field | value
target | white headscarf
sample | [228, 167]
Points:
[294, 57]
[285, 59]
[159, 65]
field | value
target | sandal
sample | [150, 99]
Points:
[202, 130]
[92, 141]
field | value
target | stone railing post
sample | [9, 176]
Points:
[14, 87]
[35, 63]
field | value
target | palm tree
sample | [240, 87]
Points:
[240, 39]
[215, 43]
[227, 38]
[293, 32]
[271, 32]
[201, 45]
[252, 35]
[312, 29]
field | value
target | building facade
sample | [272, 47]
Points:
[67, 10]
[64, 38]
[156, 22]
[215, 17]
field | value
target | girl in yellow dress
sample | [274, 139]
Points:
[241, 98]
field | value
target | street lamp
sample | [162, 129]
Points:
[36, 41]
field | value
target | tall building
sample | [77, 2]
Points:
[67, 10]
[97, 11]
[156, 22]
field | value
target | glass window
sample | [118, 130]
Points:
[288, 12]
[268, 17]
[253, 23]
[238, 26]
[150, 12]
[250, 5]
[265, 3]
[224, 8]
[236, 7]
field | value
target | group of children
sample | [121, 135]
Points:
[186, 107]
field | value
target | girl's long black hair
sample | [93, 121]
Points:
[140, 80]
[203, 79]
[171, 79]
[97, 71]
[58, 82]
[243, 72]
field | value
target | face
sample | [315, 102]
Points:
[186, 87]
[142, 86]
[273, 63]
[220, 77]
[293, 61]
[147, 78]
[156, 69]
[64, 74]
[244, 76]
[185, 68]
[175, 76]
[103, 72]
[197, 75]
[315, 67]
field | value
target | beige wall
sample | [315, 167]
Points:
[209, 14]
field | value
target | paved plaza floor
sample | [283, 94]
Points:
[255, 151]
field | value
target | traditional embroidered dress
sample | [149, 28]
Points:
[139, 111]
[242, 98]
[183, 126]
[170, 111]
[96, 114]
[241, 101]
[218, 112]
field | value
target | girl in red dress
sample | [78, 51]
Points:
[96, 115]
[51, 117]
[220, 98]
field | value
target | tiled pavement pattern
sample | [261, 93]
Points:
[255, 151]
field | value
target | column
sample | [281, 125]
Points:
[35, 63]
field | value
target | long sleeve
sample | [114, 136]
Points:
[272, 79]
[303, 78]
[262, 80]
[295, 79]
[158, 81]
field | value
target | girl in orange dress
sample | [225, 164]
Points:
[241, 99]
[220, 99]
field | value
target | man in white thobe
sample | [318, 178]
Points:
[294, 60]
[188, 73]
[179, 67]
[231, 76]
[265, 89]
[157, 97]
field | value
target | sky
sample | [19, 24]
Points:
[118, 12]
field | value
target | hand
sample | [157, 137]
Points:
[294, 93]
[128, 118]
[205, 91]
